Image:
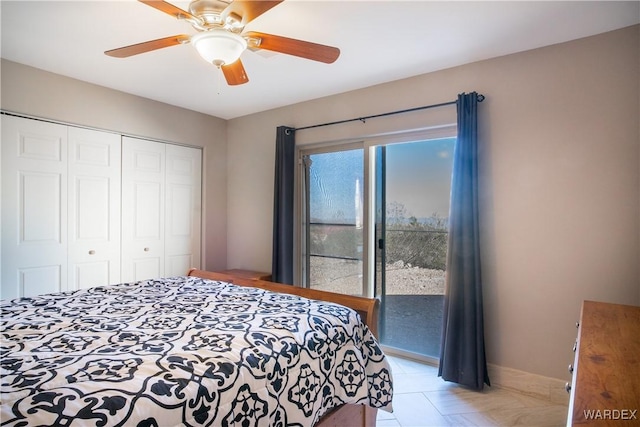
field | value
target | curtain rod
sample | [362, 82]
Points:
[363, 119]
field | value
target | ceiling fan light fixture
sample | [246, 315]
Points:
[219, 47]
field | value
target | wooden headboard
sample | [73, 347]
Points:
[367, 308]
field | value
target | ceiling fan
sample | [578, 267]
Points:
[220, 39]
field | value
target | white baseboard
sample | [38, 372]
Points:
[547, 388]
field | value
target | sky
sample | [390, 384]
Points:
[418, 177]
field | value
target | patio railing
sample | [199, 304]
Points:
[418, 247]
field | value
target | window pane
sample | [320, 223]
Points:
[335, 221]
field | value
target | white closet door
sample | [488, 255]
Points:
[183, 209]
[34, 207]
[143, 201]
[94, 208]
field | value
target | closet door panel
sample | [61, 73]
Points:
[40, 207]
[143, 216]
[183, 209]
[177, 265]
[34, 281]
[94, 208]
[147, 210]
[34, 207]
[145, 268]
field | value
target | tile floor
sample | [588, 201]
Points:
[422, 399]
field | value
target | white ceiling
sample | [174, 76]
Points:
[380, 41]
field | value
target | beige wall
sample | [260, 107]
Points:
[34, 92]
[560, 182]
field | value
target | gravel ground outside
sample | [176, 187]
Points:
[344, 276]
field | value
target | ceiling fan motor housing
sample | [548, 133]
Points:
[210, 13]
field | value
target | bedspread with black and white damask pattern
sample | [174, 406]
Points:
[184, 351]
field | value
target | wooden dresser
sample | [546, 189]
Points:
[605, 388]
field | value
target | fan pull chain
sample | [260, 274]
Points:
[219, 78]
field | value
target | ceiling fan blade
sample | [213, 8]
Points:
[303, 49]
[134, 49]
[168, 8]
[234, 73]
[250, 10]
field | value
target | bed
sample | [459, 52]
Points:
[200, 349]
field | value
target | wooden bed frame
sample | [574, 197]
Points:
[347, 415]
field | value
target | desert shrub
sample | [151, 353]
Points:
[336, 240]
[420, 243]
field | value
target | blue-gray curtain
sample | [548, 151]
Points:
[282, 258]
[462, 352]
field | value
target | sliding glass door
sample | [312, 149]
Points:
[399, 206]
[416, 185]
